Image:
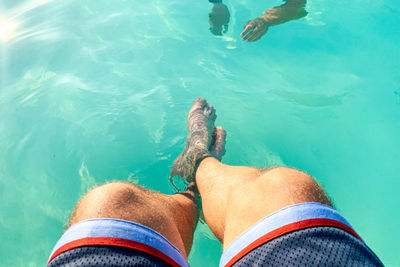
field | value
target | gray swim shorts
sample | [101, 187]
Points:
[307, 234]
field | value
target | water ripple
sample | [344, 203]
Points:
[20, 22]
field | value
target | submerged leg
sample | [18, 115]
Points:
[236, 201]
[235, 198]
[200, 123]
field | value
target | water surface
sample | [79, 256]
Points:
[92, 91]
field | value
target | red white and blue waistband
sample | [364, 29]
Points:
[113, 232]
[284, 221]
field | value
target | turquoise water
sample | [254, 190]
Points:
[97, 90]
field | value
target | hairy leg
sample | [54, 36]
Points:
[173, 216]
[176, 216]
[235, 197]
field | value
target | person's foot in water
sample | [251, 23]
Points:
[217, 147]
[203, 140]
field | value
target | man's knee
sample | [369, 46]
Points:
[280, 186]
[295, 185]
[285, 175]
[268, 192]
[130, 202]
[111, 200]
[118, 194]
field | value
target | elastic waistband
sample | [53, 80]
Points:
[113, 232]
[286, 220]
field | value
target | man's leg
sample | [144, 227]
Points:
[173, 216]
[235, 198]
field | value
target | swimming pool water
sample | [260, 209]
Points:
[98, 90]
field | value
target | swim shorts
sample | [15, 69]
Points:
[112, 242]
[307, 234]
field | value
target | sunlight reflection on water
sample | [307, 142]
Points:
[19, 22]
[7, 29]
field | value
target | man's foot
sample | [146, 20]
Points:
[217, 150]
[217, 147]
[200, 122]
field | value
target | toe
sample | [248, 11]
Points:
[210, 112]
[200, 99]
[200, 102]
[199, 105]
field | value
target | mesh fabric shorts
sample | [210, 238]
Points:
[111, 242]
[307, 234]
